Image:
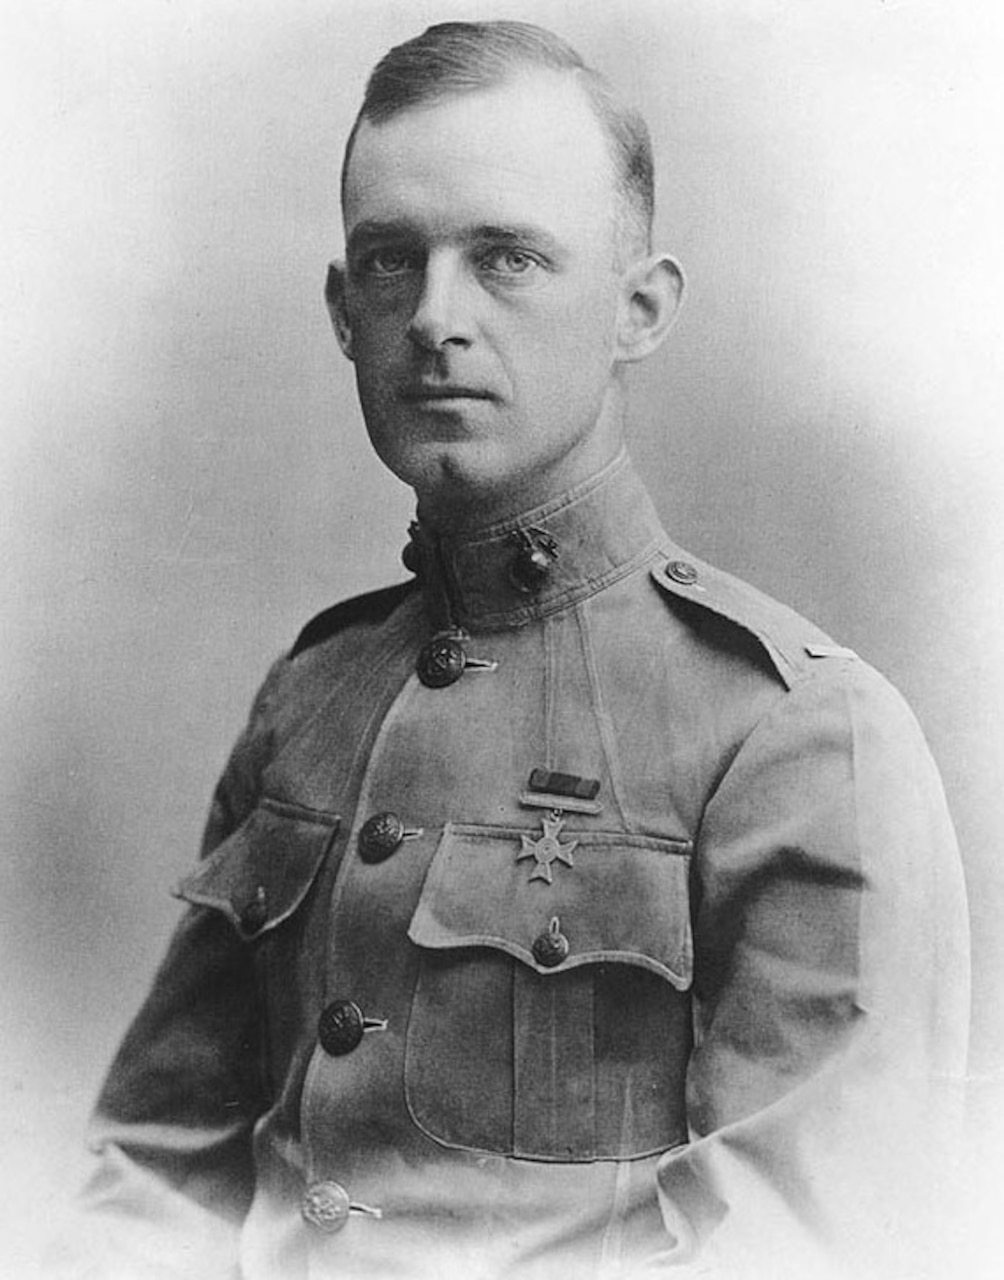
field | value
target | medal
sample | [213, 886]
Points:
[547, 849]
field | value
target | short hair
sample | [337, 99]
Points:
[453, 58]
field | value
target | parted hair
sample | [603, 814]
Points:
[453, 58]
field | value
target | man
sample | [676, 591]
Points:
[571, 909]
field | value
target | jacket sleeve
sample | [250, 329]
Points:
[831, 997]
[172, 1127]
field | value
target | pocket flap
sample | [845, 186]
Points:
[623, 898]
[261, 873]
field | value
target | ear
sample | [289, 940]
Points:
[334, 296]
[651, 292]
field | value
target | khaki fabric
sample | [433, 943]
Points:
[748, 1059]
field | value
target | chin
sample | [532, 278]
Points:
[458, 476]
[450, 469]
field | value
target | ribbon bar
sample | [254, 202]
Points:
[569, 785]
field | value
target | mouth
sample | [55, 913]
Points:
[432, 393]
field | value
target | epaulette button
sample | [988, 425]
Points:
[682, 571]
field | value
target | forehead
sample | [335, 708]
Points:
[528, 150]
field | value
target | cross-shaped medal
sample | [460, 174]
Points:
[547, 849]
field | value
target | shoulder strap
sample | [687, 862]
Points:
[790, 641]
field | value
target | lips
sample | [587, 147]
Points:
[425, 392]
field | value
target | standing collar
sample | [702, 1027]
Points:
[542, 561]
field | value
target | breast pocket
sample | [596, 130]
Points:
[259, 876]
[551, 1018]
[260, 881]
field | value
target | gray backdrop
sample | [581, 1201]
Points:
[185, 477]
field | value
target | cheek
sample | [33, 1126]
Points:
[575, 344]
[585, 321]
[378, 360]
[378, 325]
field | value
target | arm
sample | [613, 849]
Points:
[831, 994]
[172, 1127]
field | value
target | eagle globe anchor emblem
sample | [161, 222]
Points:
[547, 849]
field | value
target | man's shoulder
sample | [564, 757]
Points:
[370, 608]
[722, 604]
[821, 682]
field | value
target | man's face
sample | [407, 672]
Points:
[481, 293]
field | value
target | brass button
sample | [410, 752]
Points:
[682, 571]
[551, 947]
[382, 835]
[441, 662]
[340, 1027]
[325, 1205]
[411, 556]
[254, 914]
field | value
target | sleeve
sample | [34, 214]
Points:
[173, 1123]
[831, 998]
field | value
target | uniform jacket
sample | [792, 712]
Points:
[441, 1006]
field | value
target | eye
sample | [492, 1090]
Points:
[389, 262]
[506, 261]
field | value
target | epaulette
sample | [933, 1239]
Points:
[791, 642]
[371, 607]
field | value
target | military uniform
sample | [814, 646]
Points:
[571, 908]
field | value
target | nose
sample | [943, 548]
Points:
[442, 315]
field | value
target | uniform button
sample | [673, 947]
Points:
[441, 662]
[411, 557]
[551, 947]
[340, 1027]
[325, 1206]
[255, 913]
[530, 569]
[682, 571]
[382, 835]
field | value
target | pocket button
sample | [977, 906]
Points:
[551, 946]
[255, 913]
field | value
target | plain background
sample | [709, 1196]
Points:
[185, 476]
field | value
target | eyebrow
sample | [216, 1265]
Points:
[514, 234]
[521, 233]
[371, 229]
